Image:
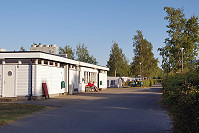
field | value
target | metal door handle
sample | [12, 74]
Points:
[4, 82]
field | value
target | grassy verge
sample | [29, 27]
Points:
[12, 111]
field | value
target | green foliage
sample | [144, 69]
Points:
[117, 62]
[83, 54]
[149, 82]
[22, 49]
[146, 83]
[183, 33]
[144, 55]
[181, 96]
[67, 50]
[129, 82]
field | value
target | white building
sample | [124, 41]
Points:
[53, 49]
[22, 74]
[116, 82]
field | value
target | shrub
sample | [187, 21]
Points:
[129, 82]
[181, 96]
[146, 83]
[149, 83]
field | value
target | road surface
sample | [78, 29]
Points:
[126, 110]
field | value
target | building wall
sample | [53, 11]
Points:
[103, 78]
[50, 75]
[1, 80]
[66, 78]
[23, 80]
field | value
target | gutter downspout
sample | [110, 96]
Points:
[31, 80]
[98, 84]
[68, 78]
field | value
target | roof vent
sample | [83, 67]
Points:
[46, 45]
[54, 45]
[39, 45]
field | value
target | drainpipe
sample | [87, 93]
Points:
[68, 78]
[31, 80]
[98, 79]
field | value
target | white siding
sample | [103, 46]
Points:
[103, 78]
[52, 76]
[1, 80]
[23, 80]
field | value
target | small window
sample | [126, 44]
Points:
[39, 61]
[46, 62]
[62, 65]
[51, 63]
[9, 73]
[112, 82]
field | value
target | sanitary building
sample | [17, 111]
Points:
[22, 74]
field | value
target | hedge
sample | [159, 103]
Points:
[149, 83]
[181, 97]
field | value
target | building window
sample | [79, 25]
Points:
[85, 77]
[112, 82]
[51, 63]
[93, 77]
[62, 65]
[39, 61]
[46, 62]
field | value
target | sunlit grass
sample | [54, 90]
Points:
[12, 111]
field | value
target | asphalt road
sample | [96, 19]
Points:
[130, 110]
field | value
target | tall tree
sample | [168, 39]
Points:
[182, 33]
[144, 62]
[22, 49]
[83, 54]
[67, 50]
[117, 62]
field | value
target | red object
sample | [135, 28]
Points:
[90, 84]
[44, 86]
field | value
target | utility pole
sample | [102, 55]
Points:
[140, 70]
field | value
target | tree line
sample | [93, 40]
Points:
[179, 53]
[143, 64]
[182, 45]
[180, 50]
[82, 53]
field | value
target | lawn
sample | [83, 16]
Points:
[12, 111]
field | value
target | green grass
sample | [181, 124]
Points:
[12, 111]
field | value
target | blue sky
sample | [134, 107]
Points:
[96, 23]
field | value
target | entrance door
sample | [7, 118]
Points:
[9, 80]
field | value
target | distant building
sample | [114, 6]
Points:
[117, 82]
[2, 50]
[114, 82]
[52, 49]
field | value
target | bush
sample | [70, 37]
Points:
[149, 83]
[159, 80]
[129, 82]
[146, 83]
[181, 96]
